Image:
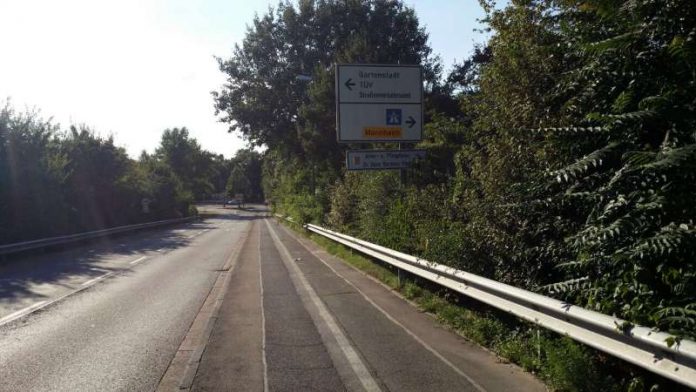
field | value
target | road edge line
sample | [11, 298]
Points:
[307, 294]
[391, 318]
[263, 320]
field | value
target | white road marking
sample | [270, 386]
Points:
[263, 323]
[408, 331]
[136, 261]
[360, 369]
[42, 304]
[160, 250]
[196, 234]
[20, 313]
[95, 280]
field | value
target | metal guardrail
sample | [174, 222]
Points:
[638, 345]
[65, 239]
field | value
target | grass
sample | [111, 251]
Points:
[563, 364]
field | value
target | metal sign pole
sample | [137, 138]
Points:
[402, 172]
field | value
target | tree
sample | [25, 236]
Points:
[263, 96]
[168, 196]
[193, 166]
[269, 105]
[245, 175]
[55, 182]
[31, 177]
[93, 169]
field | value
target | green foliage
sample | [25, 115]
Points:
[561, 154]
[269, 105]
[263, 97]
[55, 182]
[635, 244]
[199, 170]
[570, 367]
[245, 175]
[164, 189]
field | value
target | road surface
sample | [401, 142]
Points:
[121, 315]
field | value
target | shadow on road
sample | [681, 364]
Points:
[32, 274]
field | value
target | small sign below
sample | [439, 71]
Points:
[382, 159]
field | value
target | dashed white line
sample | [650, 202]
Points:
[21, 312]
[98, 278]
[136, 261]
[197, 233]
[41, 304]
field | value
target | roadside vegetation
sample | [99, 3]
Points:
[561, 153]
[55, 181]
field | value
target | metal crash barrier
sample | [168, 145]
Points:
[66, 239]
[638, 345]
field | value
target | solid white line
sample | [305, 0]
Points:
[263, 322]
[395, 321]
[360, 369]
[136, 261]
[160, 250]
[21, 312]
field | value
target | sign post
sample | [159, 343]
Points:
[379, 103]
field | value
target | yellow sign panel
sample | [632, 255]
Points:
[382, 132]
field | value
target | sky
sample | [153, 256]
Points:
[132, 68]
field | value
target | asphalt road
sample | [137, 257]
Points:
[234, 303]
[121, 307]
[316, 324]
